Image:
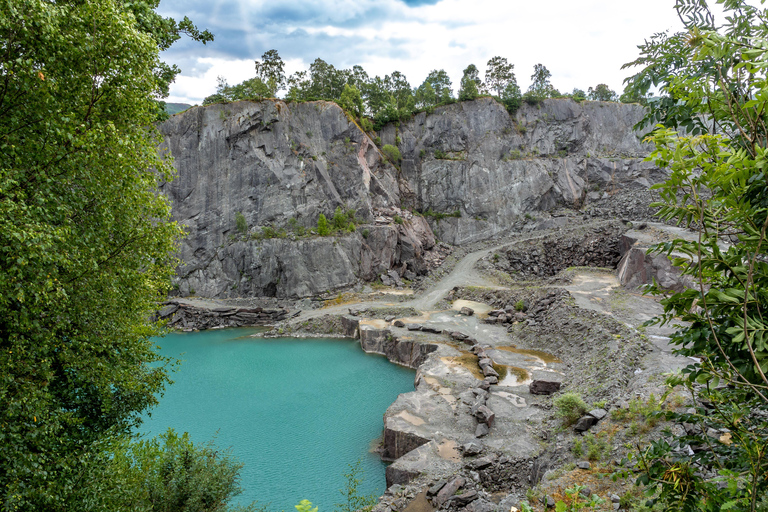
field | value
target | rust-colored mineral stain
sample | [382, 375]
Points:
[515, 376]
[468, 361]
[544, 356]
[449, 450]
[420, 504]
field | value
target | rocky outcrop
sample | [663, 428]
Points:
[181, 315]
[492, 168]
[280, 166]
[272, 168]
[376, 338]
[590, 245]
[639, 267]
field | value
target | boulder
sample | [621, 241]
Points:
[585, 423]
[467, 311]
[485, 415]
[448, 490]
[472, 448]
[543, 387]
[598, 414]
[482, 430]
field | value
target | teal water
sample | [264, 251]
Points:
[296, 412]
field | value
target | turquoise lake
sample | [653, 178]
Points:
[296, 412]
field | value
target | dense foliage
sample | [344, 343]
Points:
[392, 97]
[86, 242]
[713, 137]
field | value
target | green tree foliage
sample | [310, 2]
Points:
[85, 240]
[499, 75]
[541, 87]
[351, 100]
[714, 88]
[251, 89]
[578, 95]
[471, 84]
[169, 473]
[511, 97]
[270, 71]
[323, 229]
[241, 224]
[353, 500]
[392, 153]
[602, 93]
[435, 90]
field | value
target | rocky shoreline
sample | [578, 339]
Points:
[478, 431]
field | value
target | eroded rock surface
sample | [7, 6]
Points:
[280, 166]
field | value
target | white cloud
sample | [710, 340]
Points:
[581, 43]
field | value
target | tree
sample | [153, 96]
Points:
[351, 100]
[86, 242]
[499, 75]
[541, 87]
[713, 138]
[578, 95]
[298, 87]
[270, 71]
[400, 92]
[511, 97]
[601, 93]
[166, 473]
[440, 84]
[251, 89]
[470, 84]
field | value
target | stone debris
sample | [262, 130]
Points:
[187, 317]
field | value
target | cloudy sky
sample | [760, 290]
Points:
[582, 43]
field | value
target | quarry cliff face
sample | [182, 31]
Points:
[281, 165]
[473, 157]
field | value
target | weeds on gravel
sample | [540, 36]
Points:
[640, 411]
[595, 447]
[575, 498]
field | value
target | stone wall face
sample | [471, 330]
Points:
[473, 157]
[281, 165]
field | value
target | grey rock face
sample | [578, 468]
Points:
[281, 165]
[473, 157]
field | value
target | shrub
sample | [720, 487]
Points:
[392, 153]
[366, 233]
[323, 229]
[240, 223]
[366, 124]
[569, 407]
[520, 305]
[398, 219]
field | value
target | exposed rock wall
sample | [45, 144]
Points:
[592, 245]
[493, 168]
[281, 165]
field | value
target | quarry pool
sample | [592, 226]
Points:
[296, 412]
